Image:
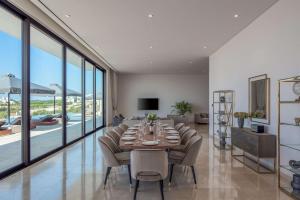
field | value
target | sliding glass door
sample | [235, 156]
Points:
[10, 90]
[99, 98]
[74, 96]
[89, 97]
[45, 93]
[50, 94]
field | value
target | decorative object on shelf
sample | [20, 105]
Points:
[222, 99]
[297, 121]
[241, 116]
[182, 107]
[294, 164]
[151, 117]
[290, 145]
[259, 98]
[296, 88]
[257, 128]
[223, 118]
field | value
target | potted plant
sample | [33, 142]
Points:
[182, 107]
[151, 117]
[241, 116]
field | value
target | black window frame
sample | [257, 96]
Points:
[27, 21]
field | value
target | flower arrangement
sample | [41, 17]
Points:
[241, 116]
[259, 115]
[151, 117]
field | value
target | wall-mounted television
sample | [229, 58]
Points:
[148, 104]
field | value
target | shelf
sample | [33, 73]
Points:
[290, 102]
[223, 113]
[223, 102]
[292, 146]
[289, 124]
[222, 124]
[295, 171]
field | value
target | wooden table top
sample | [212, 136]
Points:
[137, 144]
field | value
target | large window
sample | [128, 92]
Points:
[10, 90]
[89, 97]
[50, 94]
[45, 93]
[74, 96]
[99, 98]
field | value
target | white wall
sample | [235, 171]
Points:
[168, 88]
[271, 45]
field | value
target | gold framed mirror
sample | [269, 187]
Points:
[259, 98]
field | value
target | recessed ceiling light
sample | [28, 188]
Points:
[236, 16]
[150, 15]
[67, 16]
[204, 47]
[150, 62]
[191, 62]
[150, 47]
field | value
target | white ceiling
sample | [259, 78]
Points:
[122, 32]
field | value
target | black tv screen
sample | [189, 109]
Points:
[148, 104]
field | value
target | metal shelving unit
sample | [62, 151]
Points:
[223, 118]
[284, 180]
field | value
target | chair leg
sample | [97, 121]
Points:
[129, 172]
[171, 172]
[107, 174]
[136, 188]
[161, 182]
[194, 175]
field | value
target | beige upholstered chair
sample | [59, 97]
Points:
[114, 136]
[187, 135]
[113, 157]
[149, 165]
[118, 130]
[124, 127]
[186, 158]
[179, 126]
[183, 130]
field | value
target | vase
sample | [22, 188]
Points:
[151, 129]
[296, 184]
[241, 122]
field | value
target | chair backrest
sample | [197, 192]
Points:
[192, 150]
[124, 127]
[188, 135]
[119, 130]
[114, 136]
[108, 151]
[179, 126]
[183, 130]
[149, 161]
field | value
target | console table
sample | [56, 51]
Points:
[259, 145]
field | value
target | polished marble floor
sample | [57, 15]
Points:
[77, 172]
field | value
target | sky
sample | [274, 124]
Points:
[45, 68]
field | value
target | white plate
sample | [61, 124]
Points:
[173, 137]
[128, 143]
[164, 125]
[150, 143]
[133, 128]
[169, 128]
[172, 131]
[130, 132]
[173, 141]
[128, 138]
[137, 125]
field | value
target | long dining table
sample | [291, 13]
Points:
[142, 140]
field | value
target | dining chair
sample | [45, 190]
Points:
[183, 130]
[119, 130]
[114, 136]
[113, 157]
[179, 126]
[187, 135]
[124, 127]
[186, 158]
[149, 165]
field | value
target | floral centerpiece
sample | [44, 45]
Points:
[241, 116]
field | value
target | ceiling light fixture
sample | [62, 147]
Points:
[150, 15]
[204, 47]
[191, 62]
[236, 16]
[151, 47]
[67, 16]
